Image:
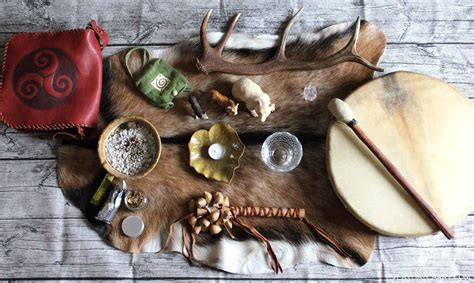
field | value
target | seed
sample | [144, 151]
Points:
[192, 221]
[130, 151]
[214, 216]
[201, 211]
[215, 229]
[201, 202]
[205, 222]
[208, 197]
[226, 201]
[197, 229]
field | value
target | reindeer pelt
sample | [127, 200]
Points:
[173, 183]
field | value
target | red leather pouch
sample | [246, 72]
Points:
[53, 80]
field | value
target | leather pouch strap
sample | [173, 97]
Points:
[100, 33]
[146, 57]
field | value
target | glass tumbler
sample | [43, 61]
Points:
[282, 151]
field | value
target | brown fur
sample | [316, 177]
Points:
[284, 88]
[173, 183]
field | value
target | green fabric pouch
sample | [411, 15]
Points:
[157, 80]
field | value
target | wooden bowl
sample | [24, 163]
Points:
[110, 128]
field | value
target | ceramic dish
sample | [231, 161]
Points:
[216, 153]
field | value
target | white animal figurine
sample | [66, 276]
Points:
[256, 101]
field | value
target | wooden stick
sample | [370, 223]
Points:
[344, 113]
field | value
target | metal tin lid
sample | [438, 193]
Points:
[132, 226]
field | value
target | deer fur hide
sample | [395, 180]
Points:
[173, 183]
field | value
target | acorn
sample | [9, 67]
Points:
[201, 202]
[205, 222]
[201, 211]
[214, 216]
[226, 201]
[197, 229]
[219, 200]
[215, 229]
[208, 197]
[192, 221]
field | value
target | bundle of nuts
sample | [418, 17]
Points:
[211, 212]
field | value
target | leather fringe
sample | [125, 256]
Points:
[325, 237]
[274, 263]
[189, 240]
[170, 232]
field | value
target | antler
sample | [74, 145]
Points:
[211, 57]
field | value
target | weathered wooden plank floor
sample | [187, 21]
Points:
[43, 236]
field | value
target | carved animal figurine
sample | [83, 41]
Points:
[197, 109]
[230, 106]
[256, 101]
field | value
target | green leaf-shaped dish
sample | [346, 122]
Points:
[222, 169]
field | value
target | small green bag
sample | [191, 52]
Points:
[158, 81]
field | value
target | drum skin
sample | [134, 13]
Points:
[426, 128]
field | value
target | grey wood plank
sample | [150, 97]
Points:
[28, 173]
[15, 144]
[48, 248]
[158, 22]
[29, 190]
[36, 203]
[451, 63]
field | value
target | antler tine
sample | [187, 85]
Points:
[280, 53]
[355, 35]
[203, 34]
[211, 59]
[352, 54]
[228, 33]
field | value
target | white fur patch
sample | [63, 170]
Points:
[264, 41]
[249, 256]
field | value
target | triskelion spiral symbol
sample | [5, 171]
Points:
[45, 78]
[161, 82]
[47, 61]
[29, 86]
